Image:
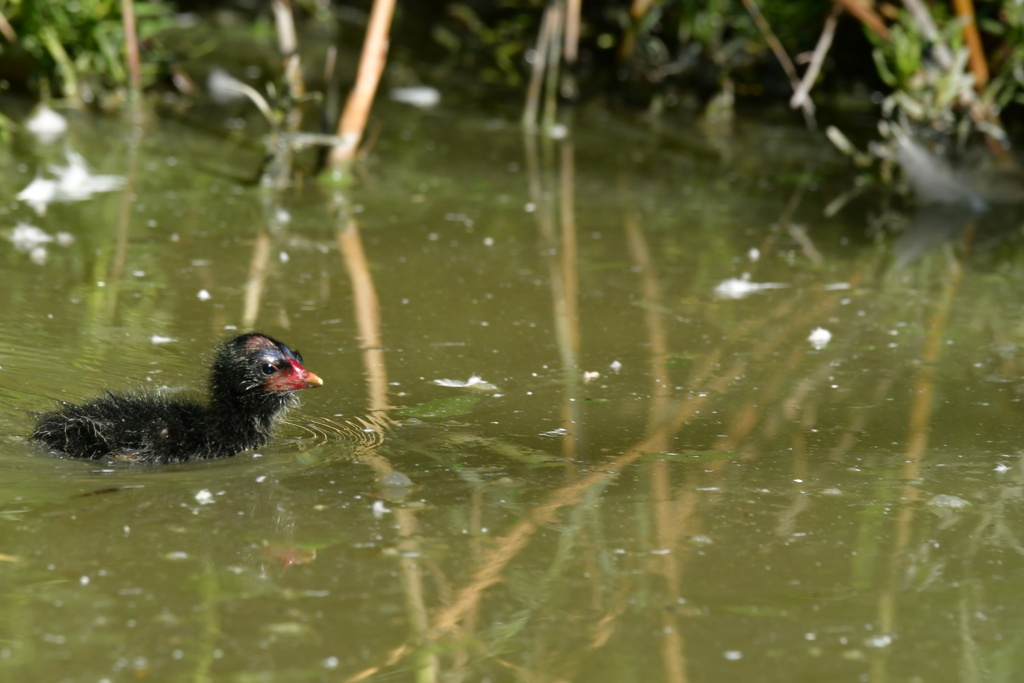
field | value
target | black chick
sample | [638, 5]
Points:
[251, 386]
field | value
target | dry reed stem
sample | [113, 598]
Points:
[864, 12]
[553, 61]
[6, 30]
[572, 30]
[544, 38]
[828, 32]
[807, 106]
[979, 65]
[637, 11]
[288, 46]
[131, 47]
[360, 100]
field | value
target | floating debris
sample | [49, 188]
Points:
[819, 338]
[46, 125]
[32, 240]
[740, 287]
[421, 96]
[26, 237]
[474, 382]
[71, 183]
[379, 509]
[948, 502]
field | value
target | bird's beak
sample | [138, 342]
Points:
[293, 380]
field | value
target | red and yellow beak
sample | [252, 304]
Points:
[293, 379]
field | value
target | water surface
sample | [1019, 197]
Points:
[650, 480]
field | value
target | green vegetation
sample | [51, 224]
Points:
[946, 70]
[76, 49]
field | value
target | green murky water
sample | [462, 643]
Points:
[651, 481]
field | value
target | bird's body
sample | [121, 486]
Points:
[251, 387]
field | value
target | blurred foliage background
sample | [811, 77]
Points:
[953, 69]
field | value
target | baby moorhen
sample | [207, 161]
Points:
[251, 385]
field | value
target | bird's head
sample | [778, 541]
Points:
[257, 363]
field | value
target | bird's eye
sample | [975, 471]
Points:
[268, 369]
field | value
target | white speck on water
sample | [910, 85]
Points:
[157, 339]
[559, 131]
[741, 287]
[733, 655]
[529, 207]
[84, 580]
[615, 365]
[204, 497]
[754, 254]
[283, 257]
[38, 255]
[204, 295]
[330, 663]
[838, 286]
[660, 551]
[488, 241]
[590, 375]
[1002, 469]
[879, 641]
[260, 479]
[819, 338]
[379, 509]
[176, 555]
